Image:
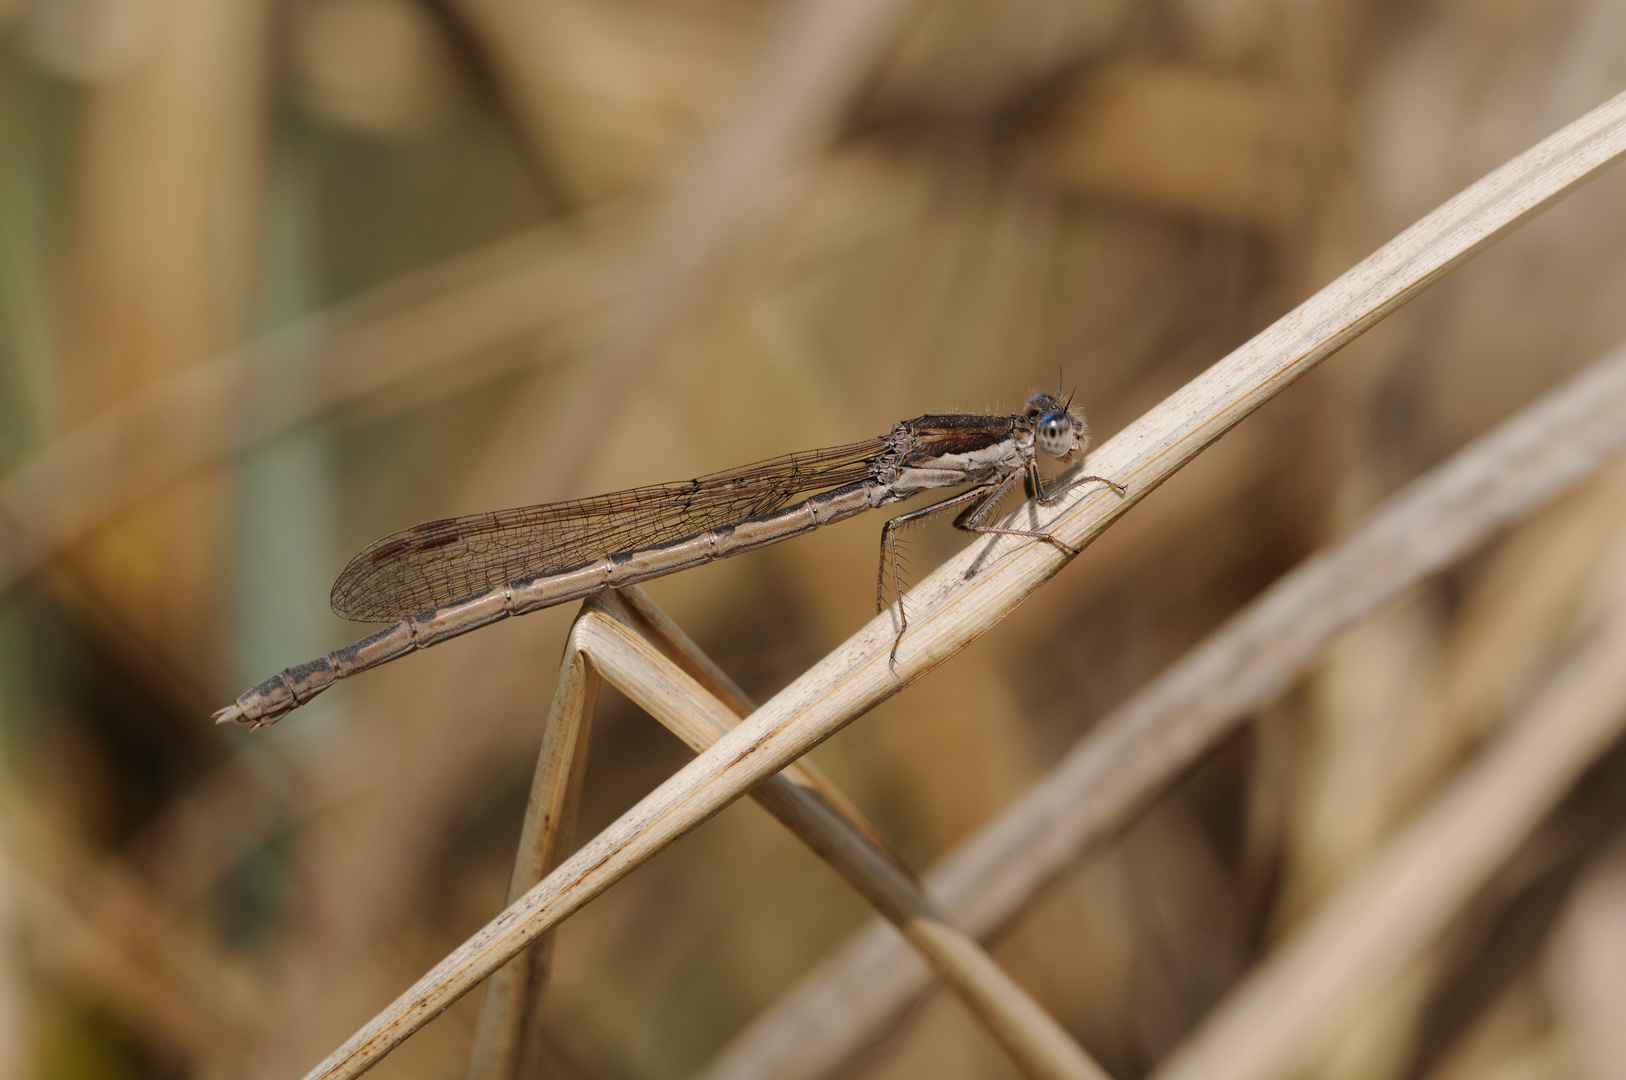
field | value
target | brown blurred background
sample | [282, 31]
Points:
[352, 264]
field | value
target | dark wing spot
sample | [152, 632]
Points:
[437, 542]
[389, 550]
[430, 526]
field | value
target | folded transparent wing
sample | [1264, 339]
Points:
[439, 562]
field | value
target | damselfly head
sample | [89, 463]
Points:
[1058, 431]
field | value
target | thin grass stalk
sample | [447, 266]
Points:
[1143, 745]
[633, 607]
[1293, 1005]
[500, 1041]
[979, 587]
[1036, 1043]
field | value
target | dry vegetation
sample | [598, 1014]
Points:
[277, 278]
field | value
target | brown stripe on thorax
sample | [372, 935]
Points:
[935, 436]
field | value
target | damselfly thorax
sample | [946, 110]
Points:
[444, 578]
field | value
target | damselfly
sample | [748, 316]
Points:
[444, 578]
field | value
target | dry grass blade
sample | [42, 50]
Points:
[634, 607]
[1137, 750]
[1291, 1007]
[506, 1033]
[977, 589]
[820, 816]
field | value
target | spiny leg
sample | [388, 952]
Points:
[972, 520]
[889, 551]
[986, 497]
[1036, 483]
[889, 542]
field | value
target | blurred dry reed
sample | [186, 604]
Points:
[1136, 751]
[276, 278]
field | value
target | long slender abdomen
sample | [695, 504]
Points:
[283, 693]
[289, 689]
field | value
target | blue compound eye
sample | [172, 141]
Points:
[1055, 435]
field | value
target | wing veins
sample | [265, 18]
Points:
[440, 562]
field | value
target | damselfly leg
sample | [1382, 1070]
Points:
[1045, 498]
[984, 499]
[889, 547]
